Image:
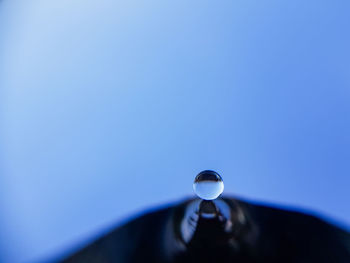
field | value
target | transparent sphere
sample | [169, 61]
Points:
[208, 185]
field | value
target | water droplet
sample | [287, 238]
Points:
[208, 185]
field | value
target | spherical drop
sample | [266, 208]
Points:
[208, 185]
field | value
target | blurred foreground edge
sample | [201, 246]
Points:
[267, 235]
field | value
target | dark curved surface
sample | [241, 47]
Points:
[269, 235]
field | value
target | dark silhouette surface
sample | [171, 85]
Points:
[268, 235]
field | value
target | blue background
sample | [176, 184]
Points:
[112, 107]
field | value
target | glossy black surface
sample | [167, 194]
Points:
[267, 235]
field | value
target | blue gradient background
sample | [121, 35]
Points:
[111, 107]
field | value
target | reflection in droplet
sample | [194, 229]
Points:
[208, 185]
